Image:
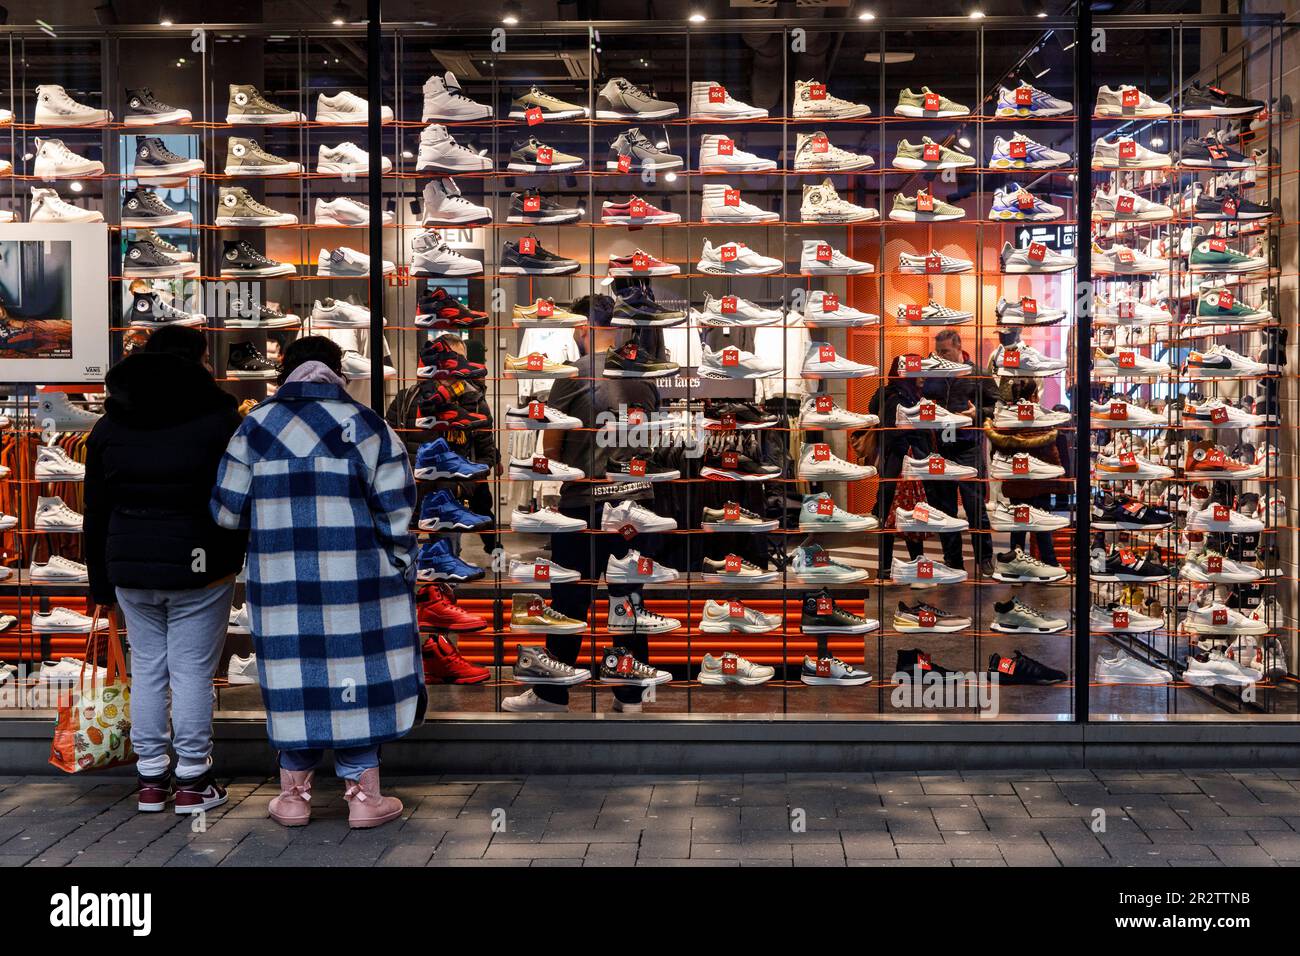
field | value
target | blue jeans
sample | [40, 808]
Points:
[349, 762]
[176, 639]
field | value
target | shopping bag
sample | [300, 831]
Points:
[93, 731]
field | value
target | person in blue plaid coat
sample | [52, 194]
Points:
[325, 489]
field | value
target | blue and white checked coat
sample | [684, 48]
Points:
[325, 488]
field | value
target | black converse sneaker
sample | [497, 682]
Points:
[142, 208]
[245, 361]
[153, 160]
[145, 109]
[149, 311]
[241, 258]
[143, 259]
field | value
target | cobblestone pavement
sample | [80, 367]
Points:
[1033, 818]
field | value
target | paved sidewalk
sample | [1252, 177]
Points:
[1032, 818]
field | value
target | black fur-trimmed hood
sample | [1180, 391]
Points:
[148, 390]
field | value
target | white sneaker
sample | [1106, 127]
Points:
[815, 153]
[1123, 668]
[932, 313]
[48, 206]
[813, 564]
[55, 161]
[933, 263]
[1222, 520]
[1128, 101]
[338, 314]
[62, 620]
[346, 211]
[820, 513]
[1118, 413]
[431, 256]
[1217, 618]
[733, 363]
[928, 414]
[1024, 312]
[1124, 153]
[67, 671]
[731, 668]
[59, 570]
[538, 415]
[733, 617]
[923, 571]
[1027, 414]
[936, 468]
[731, 311]
[823, 310]
[813, 101]
[928, 519]
[736, 258]
[440, 153]
[529, 703]
[52, 514]
[541, 468]
[818, 463]
[1033, 258]
[544, 521]
[636, 568]
[820, 412]
[345, 261]
[630, 514]
[1127, 363]
[721, 203]
[443, 205]
[820, 258]
[1010, 467]
[239, 620]
[821, 361]
[241, 671]
[1127, 206]
[1025, 361]
[54, 464]
[1218, 669]
[710, 100]
[821, 203]
[720, 154]
[1125, 310]
[445, 102]
[347, 109]
[348, 158]
[54, 107]
[1117, 618]
[1019, 566]
[1126, 466]
[1121, 260]
[1010, 516]
[540, 571]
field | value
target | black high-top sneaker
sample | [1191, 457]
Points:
[245, 361]
[239, 257]
[149, 310]
[143, 258]
[142, 208]
[143, 108]
[1021, 669]
[154, 159]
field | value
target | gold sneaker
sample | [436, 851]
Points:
[544, 313]
[535, 365]
[530, 614]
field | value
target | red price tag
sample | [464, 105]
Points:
[1220, 512]
[625, 166]
[1119, 619]
[545, 308]
[1216, 457]
[932, 102]
[628, 531]
[925, 570]
[527, 246]
[1024, 96]
[826, 506]
[921, 513]
[1230, 208]
[635, 416]
[1218, 245]
[735, 609]
[1129, 99]
[536, 608]
[728, 305]
[1017, 148]
[1011, 358]
[726, 147]
[1127, 360]
[532, 203]
[640, 262]
[912, 312]
[820, 144]
[911, 363]
[1025, 411]
[537, 411]
[717, 94]
[930, 152]
[732, 563]
[825, 605]
[1025, 200]
[731, 197]
[1124, 204]
[1219, 616]
[1217, 152]
[730, 357]
[731, 511]
[933, 264]
[638, 208]
[1218, 415]
[1226, 300]
[728, 421]
[730, 665]
[1119, 411]
[1127, 459]
[1029, 306]
[534, 115]
[926, 618]
[1124, 255]
[1127, 149]
[824, 667]
[730, 459]
[630, 351]
[1020, 465]
[1006, 665]
[636, 467]
[545, 155]
[821, 559]
[536, 361]
[821, 452]
[925, 202]
[817, 91]
[1037, 251]
[826, 353]
[824, 403]
[541, 572]
[1214, 563]
[626, 665]
[645, 566]
[1126, 310]
[937, 465]
[823, 252]
[1020, 514]
[541, 464]
[728, 253]
[830, 302]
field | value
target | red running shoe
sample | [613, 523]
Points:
[443, 664]
[439, 360]
[440, 612]
[436, 309]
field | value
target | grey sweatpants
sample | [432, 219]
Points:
[176, 639]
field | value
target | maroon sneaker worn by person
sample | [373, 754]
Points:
[198, 795]
[155, 793]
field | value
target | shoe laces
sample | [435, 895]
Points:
[247, 249]
[59, 148]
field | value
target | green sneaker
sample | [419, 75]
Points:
[1223, 306]
[248, 107]
[929, 104]
[551, 107]
[923, 207]
[1213, 255]
[928, 154]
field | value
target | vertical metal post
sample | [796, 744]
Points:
[1082, 355]
[375, 186]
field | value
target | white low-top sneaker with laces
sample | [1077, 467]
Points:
[345, 261]
[1026, 311]
[348, 158]
[929, 414]
[345, 108]
[1127, 466]
[812, 100]
[60, 570]
[1122, 260]
[1221, 519]
[1119, 152]
[1027, 414]
[339, 314]
[912, 365]
[926, 518]
[820, 513]
[1128, 311]
[924, 572]
[618, 516]
[636, 568]
[62, 620]
[1118, 413]
[818, 463]
[541, 468]
[932, 313]
[736, 258]
[1217, 618]
[1117, 618]
[1120, 667]
[731, 310]
[934, 262]
[823, 310]
[1025, 361]
[936, 468]
[1127, 363]
[733, 617]
[540, 570]
[819, 258]
[820, 360]
[815, 153]
[544, 521]
[813, 564]
[347, 211]
[1017, 565]
[1033, 258]
[731, 668]
[1010, 467]
[820, 412]
[1014, 516]
[1127, 206]
[730, 362]
[1126, 100]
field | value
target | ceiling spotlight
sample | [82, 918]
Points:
[1037, 8]
[510, 13]
[977, 14]
[77, 187]
[866, 15]
[341, 13]
[1157, 142]
[164, 20]
[963, 142]
[670, 177]
[698, 17]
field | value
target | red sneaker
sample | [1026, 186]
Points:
[155, 793]
[439, 612]
[436, 309]
[196, 796]
[443, 664]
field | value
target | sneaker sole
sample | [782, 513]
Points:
[732, 527]
[257, 119]
[834, 681]
[1024, 629]
[721, 577]
[280, 169]
[712, 680]
[210, 804]
[178, 219]
[544, 168]
[256, 221]
[709, 627]
[556, 219]
[171, 169]
[160, 119]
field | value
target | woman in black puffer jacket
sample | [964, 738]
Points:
[152, 546]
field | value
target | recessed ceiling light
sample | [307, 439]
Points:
[866, 15]
[698, 17]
